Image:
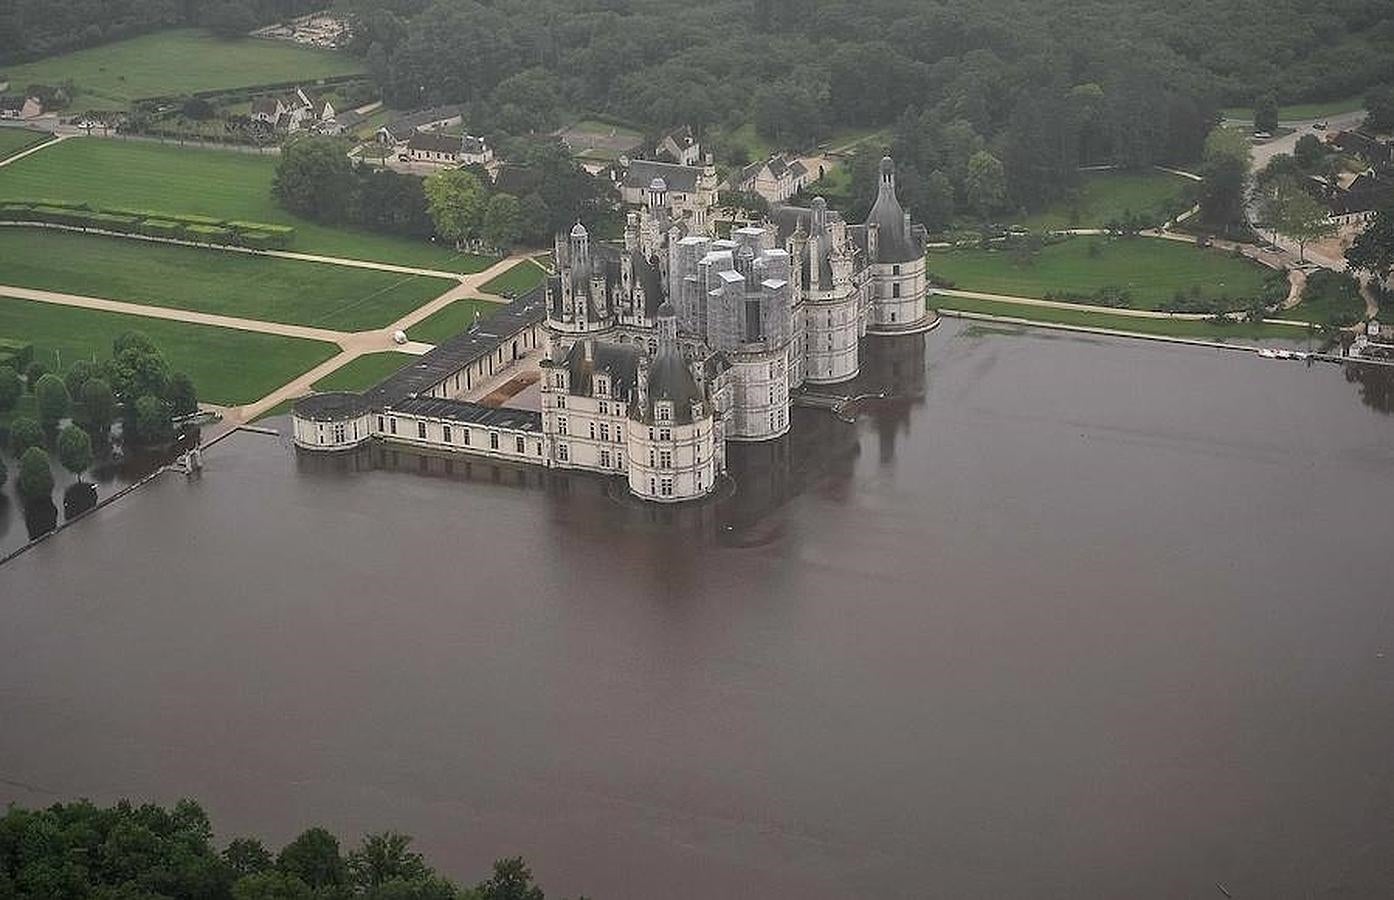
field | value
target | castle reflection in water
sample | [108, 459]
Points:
[822, 448]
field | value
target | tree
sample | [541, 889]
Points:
[247, 856]
[52, 399]
[4, 476]
[384, 857]
[152, 420]
[1309, 151]
[10, 388]
[512, 880]
[271, 886]
[180, 393]
[456, 201]
[98, 407]
[77, 376]
[1379, 104]
[503, 221]
[25, 433]
[1373, 249]
[33, 372]
[938, 207]
[74, 450]
[230, 19]
[1266, 114]
[986, 183]
[35, 481]
[314, 858]
[314, 178]
[1224, 176]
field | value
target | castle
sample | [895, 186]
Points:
[655, 354]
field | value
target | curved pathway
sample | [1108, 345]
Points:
[1087, 307]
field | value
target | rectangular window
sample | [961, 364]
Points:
[380, 425]
[561, 452]
[339, 433]
[445, 434]
[665, 434]
[605, 459]
[493, 440]
[665, 413]
[421, 430]
[665, 459]
[604, 432]
[465, 436]
[519, 446]
[561, 402]
[667, 487]
[604, 408]
[592, 431]
[392, 424]
[561, 424]
[895, 289]
[895, 270]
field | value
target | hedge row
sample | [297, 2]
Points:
[206, 229]
[16, 354]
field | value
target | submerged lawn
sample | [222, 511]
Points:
[229, 367]
[213, 281]
[1151, 270]
[222, 183]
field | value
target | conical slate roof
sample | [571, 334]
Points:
[894, 241]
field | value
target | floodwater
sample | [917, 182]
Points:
[1065, 617]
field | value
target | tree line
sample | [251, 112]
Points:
[150, 852]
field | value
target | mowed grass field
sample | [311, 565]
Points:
[222, 183]
[212, 281]
[363, 372]
[450, 321]
[219, 360]
[1106, 196]
[181, 61]
[522, 277]
[16, 140]
[1151, 270]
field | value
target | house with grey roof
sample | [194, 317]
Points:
[687, 191]
[776, 179]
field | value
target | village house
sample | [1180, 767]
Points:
[776, 179]
[397, 132]
[294, 111]
[17, 106]
[448, 149]
[679, 146]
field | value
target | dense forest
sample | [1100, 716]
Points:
[1042, 86]
[148, 852]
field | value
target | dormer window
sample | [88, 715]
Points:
[664, 412]
[560, 380]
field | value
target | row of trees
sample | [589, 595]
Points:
[316, 179]
[148, 852]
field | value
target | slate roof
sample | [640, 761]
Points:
[331, 406]
[434, 142]
[470, 413]
[641, 173]
[472, 145]
[619, 361]
[430, 369]
[895, 243]
[402, 128]
[265, 106]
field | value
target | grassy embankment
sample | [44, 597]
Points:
[1183, 328]
[1299, 111]
[215, 358]
[1103, 197]
[446, 323]
[1329, 297]
[211, 281]
[181, 61]
[522, 277]
[220, 183]
[1150, 270]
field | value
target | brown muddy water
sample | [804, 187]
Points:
[1066, 617]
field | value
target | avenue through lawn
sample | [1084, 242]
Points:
[225, 184]
[182, 61]
[1150, 270]
[212, 281]
[228, 367]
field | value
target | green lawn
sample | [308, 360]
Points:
[14, 140]
[1105, 196]
[1299, 111]
[1199, 329]
[363, 372]
[216, 358]
[1329, 297]
[223, 183]
[1151, 270]
[450, 321]
[522, 277]
[180, 62]
[214, 281]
